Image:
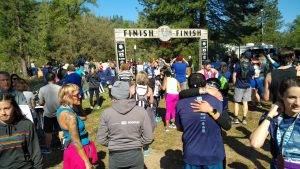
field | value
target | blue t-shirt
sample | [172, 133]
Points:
[202, 140]
[243, 83]
[74, 78]
[180, 71]
[286, 122]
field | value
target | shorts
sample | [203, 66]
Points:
[242, 95]
[257, 83]
[133, 159]
[51, 125]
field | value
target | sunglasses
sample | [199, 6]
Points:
[14, 78]
[213, 84]
[76, 95]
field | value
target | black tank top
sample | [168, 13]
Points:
[278, 75]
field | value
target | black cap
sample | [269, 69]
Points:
[206, 62]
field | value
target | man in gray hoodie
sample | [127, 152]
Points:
[125, 128]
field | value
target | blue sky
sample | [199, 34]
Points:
[129, 9]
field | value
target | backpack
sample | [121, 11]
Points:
[245, 68]
[224, 83]
[141, 97]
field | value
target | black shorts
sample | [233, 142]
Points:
[51, 125]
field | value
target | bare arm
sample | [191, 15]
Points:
[172, 61]
[183, 60]
[150, 95]
[178, 86]
[260, 134]
[69, 122]
[132, 91]
[234, 78]
[216, 73]
[267, 86]
[164, 84]
[32, 103]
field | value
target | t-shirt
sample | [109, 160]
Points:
[29, 97]
[157, 88]
[286, 122]
[202, 140]
[256, 70]
[19, 97]
[180, 71]
[49, 94]
[243, 83]
[139, 68]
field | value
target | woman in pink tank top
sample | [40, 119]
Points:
[208, 71]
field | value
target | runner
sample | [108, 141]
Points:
[19, 144]
[283, 124]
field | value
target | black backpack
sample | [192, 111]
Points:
[245, 68]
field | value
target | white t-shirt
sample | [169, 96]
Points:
[256, 70]
[171, 87]
[157, 88]
[139, 68]
[32, 65]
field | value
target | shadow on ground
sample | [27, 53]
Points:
[172, 160]
[237, 165]
[53, 159]
[161, 112]
[101, 156]
[245, 151]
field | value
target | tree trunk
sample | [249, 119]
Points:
[20, 40]
[202, 19]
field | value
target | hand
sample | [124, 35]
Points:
[215, 92]
[298, 68]
[276, 108]
[202, 106]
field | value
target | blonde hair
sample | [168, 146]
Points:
[142, 78]
[65, 92]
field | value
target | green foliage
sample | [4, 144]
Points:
[41, 30]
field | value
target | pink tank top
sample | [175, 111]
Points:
[208, 74]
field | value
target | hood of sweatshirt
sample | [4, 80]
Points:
[124, 106]
[7, 128]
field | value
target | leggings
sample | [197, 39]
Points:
[171, 100]
[91, 91]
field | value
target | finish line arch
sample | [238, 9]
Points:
[164, 33]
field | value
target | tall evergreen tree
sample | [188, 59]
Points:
[17, 19]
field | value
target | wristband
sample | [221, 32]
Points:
[213, 112]
[269, 118]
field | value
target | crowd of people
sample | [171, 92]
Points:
[196, 103]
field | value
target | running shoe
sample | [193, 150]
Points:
[235, 121]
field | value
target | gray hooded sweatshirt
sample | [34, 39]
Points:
[124, 126]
